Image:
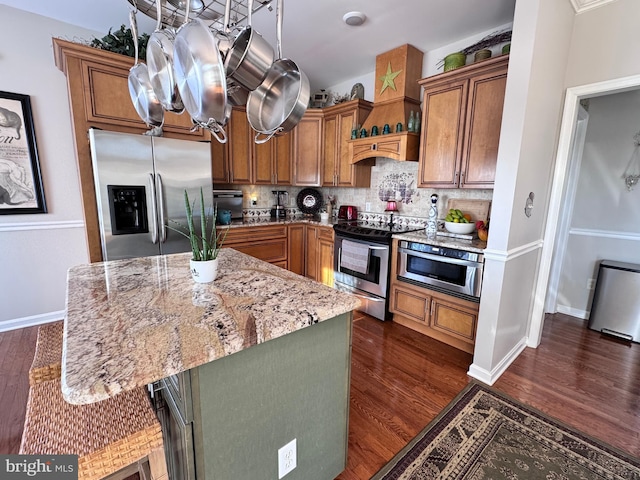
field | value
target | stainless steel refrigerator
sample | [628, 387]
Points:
[140, 182]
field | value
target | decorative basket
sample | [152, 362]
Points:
[482, 55]
[454, 60]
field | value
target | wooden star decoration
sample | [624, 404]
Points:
[388, 79]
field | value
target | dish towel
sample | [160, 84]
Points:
[355, 256]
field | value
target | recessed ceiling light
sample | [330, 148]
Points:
[354, 18]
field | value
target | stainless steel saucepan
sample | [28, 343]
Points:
[160, 65]
[142, 95]
[279, 103]
[250, 57]
[236, 94]
[200, 77]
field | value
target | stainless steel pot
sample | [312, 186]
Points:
[200, 77]
[236, 94]
[250, 57]
[142, 94]
[279, 103]
[160, 65]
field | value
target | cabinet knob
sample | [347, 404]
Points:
[374, 146]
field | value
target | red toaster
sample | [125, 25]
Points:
[347, 212]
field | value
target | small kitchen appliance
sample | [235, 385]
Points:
[347, 212]
[279, 209]
[230, 200]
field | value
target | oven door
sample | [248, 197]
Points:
[447, 275]
[375, 280]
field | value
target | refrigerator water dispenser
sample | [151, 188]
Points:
[128, 209]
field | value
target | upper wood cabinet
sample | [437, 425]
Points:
[272, 161]
[461, 117]
[240, 140]
[99, 97]
[307, 151]
[339, 121]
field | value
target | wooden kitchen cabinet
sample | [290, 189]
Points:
[446, 318]
[307, 151]
[296, 255]
[461, 117]
[319, 254]
[272, 161]
[240, 140]
[339, 121]
[268, 243]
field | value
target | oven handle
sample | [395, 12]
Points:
[359, 295]
[440, 258]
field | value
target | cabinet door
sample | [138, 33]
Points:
[240, 147]
[331, 149]
[454, 319]
[220, 169]
[484, 118]
[308, 149]
[325, 254]
[345, 170]
[263, 163]
[296, 253]
[283, 159]
[443, 113]
[410, 304]
[311, 251]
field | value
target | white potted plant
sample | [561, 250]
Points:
[206, 246]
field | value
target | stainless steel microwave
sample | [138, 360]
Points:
[447, 270]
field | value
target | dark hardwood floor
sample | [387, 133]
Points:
[400, 380]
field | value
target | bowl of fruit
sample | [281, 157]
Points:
[458, 222]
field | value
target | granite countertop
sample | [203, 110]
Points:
[473, 245]
[131, 322]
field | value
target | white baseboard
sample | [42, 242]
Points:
[574, 312]
[490, 377]
[32, 321]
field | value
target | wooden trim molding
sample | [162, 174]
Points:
[581, 6]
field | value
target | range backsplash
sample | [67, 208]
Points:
[389, 179]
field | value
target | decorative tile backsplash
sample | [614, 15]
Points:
[390, 179]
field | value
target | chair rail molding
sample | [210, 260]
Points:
[16, 227]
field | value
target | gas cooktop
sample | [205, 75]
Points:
[372, 231]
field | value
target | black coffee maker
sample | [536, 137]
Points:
[279, 210]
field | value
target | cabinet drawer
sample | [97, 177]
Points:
[255, 234]
[325, 233]
[455, 320]
[409, 303]
[271, 251]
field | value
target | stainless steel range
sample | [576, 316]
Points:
[361, 262]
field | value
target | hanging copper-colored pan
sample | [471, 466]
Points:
[142, 95]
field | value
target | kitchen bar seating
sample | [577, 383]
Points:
[119, 435]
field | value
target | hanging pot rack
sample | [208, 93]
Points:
[210, 11]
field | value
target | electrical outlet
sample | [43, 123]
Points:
[367, 207]
[286, 458]
[591, 283]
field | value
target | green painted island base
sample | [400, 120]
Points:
[242, 408]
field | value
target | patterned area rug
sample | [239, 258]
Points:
[483, 434]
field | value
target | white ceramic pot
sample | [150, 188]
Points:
[204, 272]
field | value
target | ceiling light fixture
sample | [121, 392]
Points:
[354, 19]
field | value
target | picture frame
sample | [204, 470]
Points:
[21, 189]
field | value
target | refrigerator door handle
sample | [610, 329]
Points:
[162, 228]
[154, 213]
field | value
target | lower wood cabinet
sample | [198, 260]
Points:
[319, 254]
[450, 319]
[268, 243]
[296, 255]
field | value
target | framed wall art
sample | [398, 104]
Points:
[20, 179]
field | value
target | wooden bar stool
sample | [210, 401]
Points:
[108, 436]
[47, 361]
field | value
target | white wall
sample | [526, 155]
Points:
[605, 221]
[38, 249]
[530, 124]
[431, 64]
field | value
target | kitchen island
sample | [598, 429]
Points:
[263, 356]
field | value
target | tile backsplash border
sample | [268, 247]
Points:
[388, 178]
